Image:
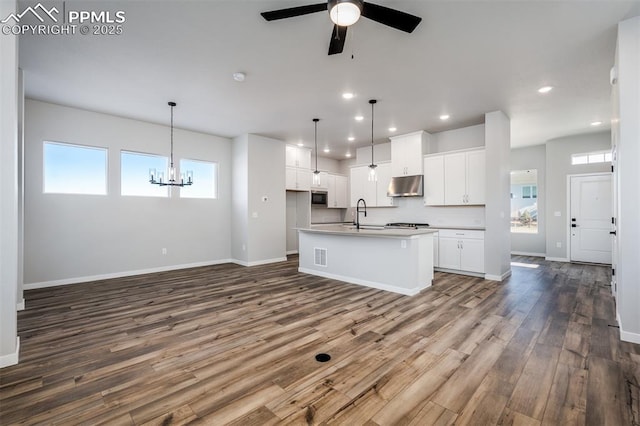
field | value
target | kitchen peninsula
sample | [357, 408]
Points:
[397, 260]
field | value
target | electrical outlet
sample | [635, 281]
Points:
[164, 250]
[403, 244]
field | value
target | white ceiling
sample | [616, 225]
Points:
[465, 58]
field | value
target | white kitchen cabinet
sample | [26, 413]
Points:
[461, 250]
[323, 183]
[374, 193]
[297, 179]
[382, 185]
[406, 153]
[455, 179]
[337, 192]
[476, 177]
[434, 180]
[298, 157]
[464, 178]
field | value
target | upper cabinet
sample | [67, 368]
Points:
[455, 179]
[406, 153]
[374, 193]
[298, 173]
[337, 192]
[323, 182]
[298, 157]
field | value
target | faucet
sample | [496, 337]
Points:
[358, 212]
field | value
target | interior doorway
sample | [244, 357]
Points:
[590, 212]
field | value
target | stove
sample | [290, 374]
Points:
[401, 225]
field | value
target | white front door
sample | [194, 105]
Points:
[590, 215]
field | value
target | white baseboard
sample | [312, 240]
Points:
[12, 358]
[526, 253]
[20, 306]
[627, 336]
[502, 277]
[371, 284]
[292, 252]
[259, 262]
[77, 280]
[557, 259]
[459, 272]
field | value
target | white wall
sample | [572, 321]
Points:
[267, 219]
[71, 238]
[9, 341]
[628, 176]
[558, 167]
[497, 242]
[533, 157]
[259, 212]
[463, 138]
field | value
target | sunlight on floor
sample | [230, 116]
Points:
[525, 265]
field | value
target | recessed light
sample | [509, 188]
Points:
[545, 89]
[392, 129]
[444, 117]
[351, 139]
[327, 150]
[348, 155]
[348, 95]
[239, 76]
[596, 123]
[359, 118]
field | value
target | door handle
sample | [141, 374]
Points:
[573, 225]
[612, 233]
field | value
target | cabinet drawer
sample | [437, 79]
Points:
[461, 233]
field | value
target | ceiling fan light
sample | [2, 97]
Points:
[344, 13]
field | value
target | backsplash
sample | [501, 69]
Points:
[325, 215]
[413, 210]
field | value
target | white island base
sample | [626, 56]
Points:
[396, 260]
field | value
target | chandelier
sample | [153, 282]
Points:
[157, 178]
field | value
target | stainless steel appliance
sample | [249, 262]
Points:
[406, 186]
[319, 198]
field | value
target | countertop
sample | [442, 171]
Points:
[432, 227]
[368, 231]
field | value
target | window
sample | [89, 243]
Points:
[529, 191]
[591, 158]
[524, 201]
[134, 174]
[74, 169]
[205, 179]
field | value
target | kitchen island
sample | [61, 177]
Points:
[397, 260]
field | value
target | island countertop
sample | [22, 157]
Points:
[369, 231]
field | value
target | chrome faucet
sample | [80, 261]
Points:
[358, 212]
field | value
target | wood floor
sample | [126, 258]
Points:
[234, 345]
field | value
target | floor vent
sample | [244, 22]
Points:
[323, 357]
[320, 256]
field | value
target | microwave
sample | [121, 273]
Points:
[319, 198]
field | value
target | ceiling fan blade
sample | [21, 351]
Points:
[338, 37]
[294, 11]
[393, 18]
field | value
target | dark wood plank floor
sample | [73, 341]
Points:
[233, 345]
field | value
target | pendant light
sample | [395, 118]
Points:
[372, 167]
[186, 179]
[316, 173]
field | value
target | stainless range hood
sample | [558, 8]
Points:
[405, 186]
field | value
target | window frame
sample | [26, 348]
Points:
[105, 150]
[146, 154]
[216, 179]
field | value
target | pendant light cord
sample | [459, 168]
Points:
[172, 104]
[315, 121]
[372, 102]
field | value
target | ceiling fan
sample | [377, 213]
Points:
[347, 12]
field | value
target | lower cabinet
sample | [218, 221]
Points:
[461, 250]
